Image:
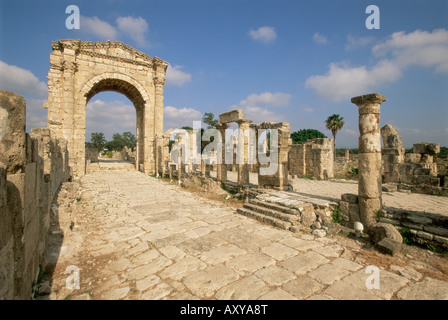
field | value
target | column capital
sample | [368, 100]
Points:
[222, 126]
[243, 122]
[372, 98]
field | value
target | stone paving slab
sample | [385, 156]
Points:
[137, 237]
[329, 191]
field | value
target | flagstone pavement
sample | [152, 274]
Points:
[132, 236]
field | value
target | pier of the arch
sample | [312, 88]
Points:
[80, 70]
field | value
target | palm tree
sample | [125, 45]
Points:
[334, 123]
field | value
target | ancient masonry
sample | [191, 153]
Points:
[314, 158]
[32, 167]
[79, 70]
[416, 172]
[246, 156]
[369, 157]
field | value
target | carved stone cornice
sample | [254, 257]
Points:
[70, 66]
[159, 63]
[159, 81]
[115, 58]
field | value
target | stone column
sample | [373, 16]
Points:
[159, 68]
[243, 152]
[69, 67]
[221, 171]
[369, 157]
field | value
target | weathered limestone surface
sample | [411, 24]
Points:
[231, 116]
[137, 237]
[79, 70]
[32, 167]
[280, 179]
[314, 158]
[393, 153]
[415, 172]
[369, 157]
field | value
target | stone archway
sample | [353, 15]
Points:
[79, 70]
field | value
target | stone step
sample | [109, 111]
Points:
[264, 218]
[276, 207]
[272, 212]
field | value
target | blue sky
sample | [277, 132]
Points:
[294, 61]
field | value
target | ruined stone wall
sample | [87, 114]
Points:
[413, 172]
[32, 167]
[424, 227]
[279, 180]
[313, 158]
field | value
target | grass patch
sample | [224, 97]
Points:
[412, 240]
[378, 215]
[337, 216]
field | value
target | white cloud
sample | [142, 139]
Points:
[308, 110]
[136, 28]
[97, 27]
[175, 76]
[354, 43]
[319, 38]
[176, 118]
[110, 117]
[253, 110]
[277, 99]
[343, 82]
[264, 34]
[350, 132]
[21, 81]
[418, 48]
[36, 115]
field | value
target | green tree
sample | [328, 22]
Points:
[303, 135]
[209, 120]
[119, 141]
[98, 140]
[334, 123]
[130, 140]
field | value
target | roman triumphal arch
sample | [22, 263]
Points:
[79, 70]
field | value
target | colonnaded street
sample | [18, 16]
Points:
[127, 235]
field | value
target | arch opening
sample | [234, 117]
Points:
[118, 111]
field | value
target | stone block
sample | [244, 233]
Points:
[354, 212]
[349, 197]
[427, 148]
[436, 230]
[389, 187]
[308, 218]
[412, 158]
[12, 131]
[380, 231]
[421, 179]
[391, 138]
[7, 270]
[231, 116]
[388, 246]
[368, 209]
